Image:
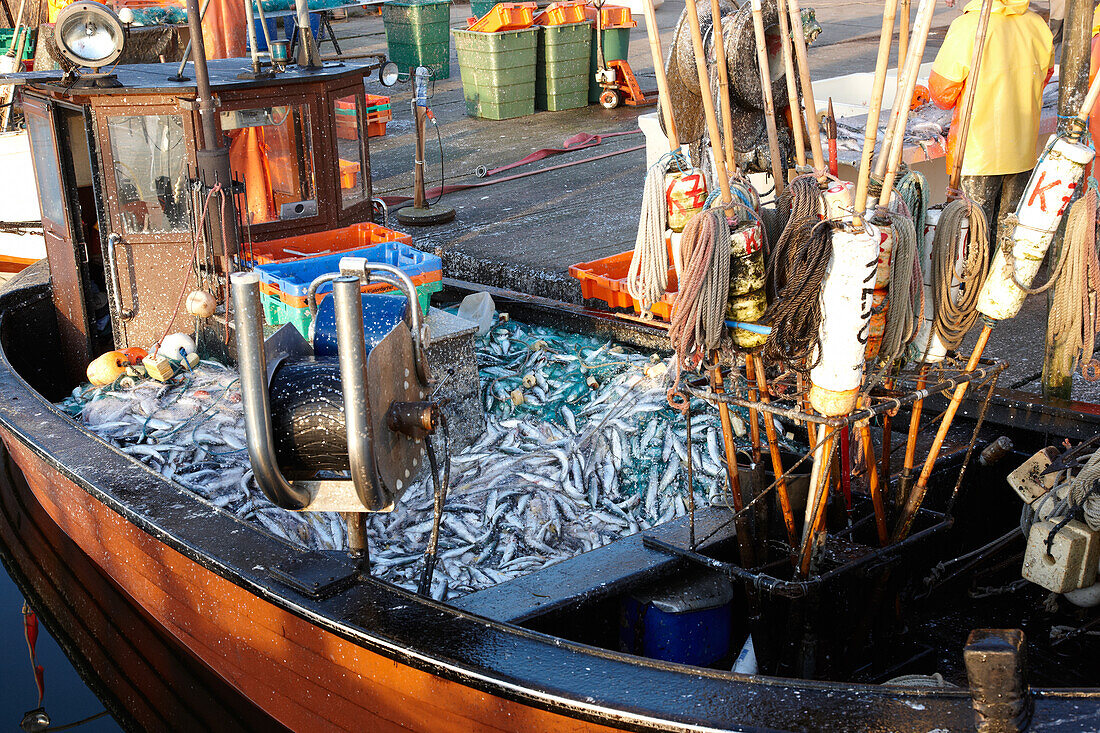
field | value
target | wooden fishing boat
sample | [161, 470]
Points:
[127, 541]
[185, 615]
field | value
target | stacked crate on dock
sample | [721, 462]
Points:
[379, 113]
[284, 286]
[498, 68]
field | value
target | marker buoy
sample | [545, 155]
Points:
[847, 294]
[1044, 201]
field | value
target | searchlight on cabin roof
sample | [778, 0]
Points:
[89, 34]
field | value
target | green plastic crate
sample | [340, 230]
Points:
[498, 72]
[416, 34]
[561, 66]
[616, 46]
[276, 312]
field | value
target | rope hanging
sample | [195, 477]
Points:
[647, 278]
[795, 314]
[906, 291]
[953, 317]
[1073, 312]
[800, 204]
[913, 189]
[698, 317]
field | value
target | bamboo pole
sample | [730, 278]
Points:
[873, 481]
[895, 135]
[916, 497]
[798, 33]
[754, 423]
[663, 99]
[723, 83]
[792, 87]
[870, 136]
[903, 34]
[965, 115]
[766, 89]
[744, 542]
[776, 457]
[911, 441]
[966, 112]
[708, 100]
[819, 494]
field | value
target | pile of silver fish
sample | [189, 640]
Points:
[191, 431]
[580, 448]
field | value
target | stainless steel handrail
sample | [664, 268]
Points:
[124, 313]
[369, 271]
[251, 363]
[352, 350]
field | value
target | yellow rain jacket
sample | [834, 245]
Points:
[1016, 64]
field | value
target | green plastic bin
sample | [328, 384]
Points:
[480, 8]
[616, 47]
[416, 34]
[498, 72]
[561, 66]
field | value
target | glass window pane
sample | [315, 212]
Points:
[45, 168]
[349, 149]
[271, 150]
[150, 159]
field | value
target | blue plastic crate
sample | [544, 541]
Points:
[292, 279]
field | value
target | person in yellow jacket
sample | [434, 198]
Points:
[1002, 143]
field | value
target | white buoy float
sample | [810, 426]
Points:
[846, 297]
[1040, 211]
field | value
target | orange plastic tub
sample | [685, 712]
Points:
[562, 13]
[506, 17]
[614, 16]
[356, 236]
[349, 173]
[606, 280]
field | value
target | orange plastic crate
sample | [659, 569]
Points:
[349, 173]
[356, 236]
[377, 128]
[562, 13]
[506, 17]
[614, 16]
[606, 280]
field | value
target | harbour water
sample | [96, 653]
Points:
[67, 698]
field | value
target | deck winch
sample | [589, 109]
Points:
[366, 415]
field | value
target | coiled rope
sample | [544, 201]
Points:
[800, 205]
[906, 290]
[647, 278]
[698, 317]
[953, 317]
[795, 314]
[1073, 312]
[913, 189]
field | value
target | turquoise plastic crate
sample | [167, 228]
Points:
[277, 313]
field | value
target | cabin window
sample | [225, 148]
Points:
[348, 114]
[271, 150]
[151, 181]
[45, 168]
